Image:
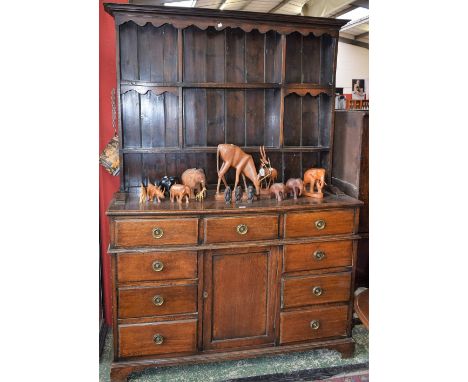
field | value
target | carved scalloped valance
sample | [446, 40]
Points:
[204, 18]
[204, 24]
[313, 92]
[156, 90]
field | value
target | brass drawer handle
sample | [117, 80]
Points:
[158, 266]
[158, 233]
[315, 324]
[317, 291]
[320, 224]
[158, 339]
[242, 229]
[319, 255]
[158, 300]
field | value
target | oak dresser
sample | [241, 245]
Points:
[209, 281]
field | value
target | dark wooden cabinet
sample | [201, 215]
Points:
[351, 174]
[188, 285]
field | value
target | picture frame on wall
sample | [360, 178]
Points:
[358, 89]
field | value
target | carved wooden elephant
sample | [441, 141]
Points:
[316, 178]
[194, 178]
[295, 186]
[279, 190]
[180, 192]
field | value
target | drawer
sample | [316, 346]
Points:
[157, 338]
[319, 223]
[303, 257]
[309, 290]
[156, 266]
[153, 301]
[149, 232]
[313, 324]
[241, 228]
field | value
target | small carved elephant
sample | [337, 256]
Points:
[194, 178]
[279, 190]
[295, 186]
[314, 177]
[180, 192]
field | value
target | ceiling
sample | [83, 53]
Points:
[355, 32]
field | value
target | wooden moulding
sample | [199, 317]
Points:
[121, 370]
[204, 18]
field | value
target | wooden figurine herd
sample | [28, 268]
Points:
[193, 181]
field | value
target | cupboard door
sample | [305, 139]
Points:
[241, 297]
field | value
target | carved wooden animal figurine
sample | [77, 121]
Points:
[180, 191]
[201, 195]
[228, 194]
[166, 183]
[194, 178]
[238, 194]
[143, 196]
[295, 186]
[266, 173]
[250, 194]
[233, 156]
[315, 177]
[154, 192]
[279, 190]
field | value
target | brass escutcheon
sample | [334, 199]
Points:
[315, 324]
[320, 224]
[317, 291]
[158, 339]
[242, 229]
[158, 233]
[319, 255]
[158, 300]
[158, 266]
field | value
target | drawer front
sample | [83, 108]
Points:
[157, 338]
[319, 223]
[311, 290]
[156, 266]
[242, 228]
[313, 324]
[149, 232]
[303, 257]
[153, 301]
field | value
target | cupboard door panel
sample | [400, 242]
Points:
[241, 294]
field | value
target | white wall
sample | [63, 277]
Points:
[352, 63]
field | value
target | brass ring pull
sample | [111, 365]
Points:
[158, 339]
[158, 266]
[158, 300]
[158, 233]
[319, 255]
[242, 229]
[317, 291]
[320, 224]
[315, 324]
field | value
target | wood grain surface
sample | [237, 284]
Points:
[298, 291]
[300, 257]
[224, 229]
[134, 232]
[139, 266]
[137, 340]
[138, 301]
[303, 224]
[295, 326]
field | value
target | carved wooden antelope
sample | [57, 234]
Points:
[233, 156]
[266, 172]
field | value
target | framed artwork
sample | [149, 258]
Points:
[358, 89]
